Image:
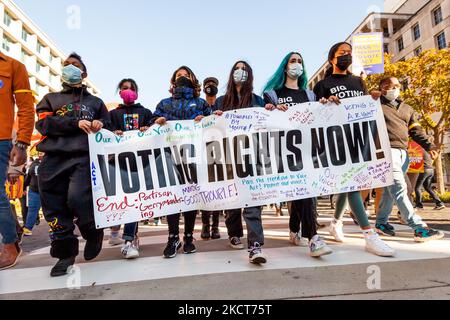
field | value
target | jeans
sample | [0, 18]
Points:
[252, 217]
[426, 180]
[7, 221]
[130, 231]
[34, 205]
[398, 193]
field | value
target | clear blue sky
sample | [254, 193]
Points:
[148, 40]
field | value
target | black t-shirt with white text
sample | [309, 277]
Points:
[291, 97]
[341, 86]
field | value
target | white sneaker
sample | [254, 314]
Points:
[297, 240]
[318, 247]
[375, 245]
[115, 240]
[131, 250]
[256, 255]
[336, 230]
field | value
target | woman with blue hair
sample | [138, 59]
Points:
[285, 89]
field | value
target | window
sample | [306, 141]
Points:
[437, 16]
[386, 48]
[39, 47]
[418, 51]
[441, 42]
[416, 32]
[38, 67]
[386, 32]
[53, 78]
[23, 56]
[7, 19]
[400, 45]
[25, 35]
[6, 43]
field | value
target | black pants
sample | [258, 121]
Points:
[189, 223]
[426, 180]
[215, 218]
[252, 217]
[304, 212]
[65, 189]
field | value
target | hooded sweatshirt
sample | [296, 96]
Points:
[59, 114]
[133, 117]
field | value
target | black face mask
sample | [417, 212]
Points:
[211, 91]
[183, 82]
[344, 62]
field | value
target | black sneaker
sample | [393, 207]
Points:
[206, 232]
[61, 267]
[173, 245]
[93, 246]
[427, 234]
[215, 233]
[385, 229]
[189, 246]
[236, 243]
[439, 207]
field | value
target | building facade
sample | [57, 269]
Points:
[23, 40]
[409, 27]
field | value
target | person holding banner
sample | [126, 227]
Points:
[184, 104]
[342, 84]
[66, 118]
[240, 95]
[286, 89]
[210, 231]
[402, 123]
[127, 117]
[425, 180]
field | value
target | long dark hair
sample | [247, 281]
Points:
[191, 76]
[330, 69]
[231, 100]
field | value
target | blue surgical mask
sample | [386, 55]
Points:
[72, 75]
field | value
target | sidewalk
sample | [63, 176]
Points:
[218, 272]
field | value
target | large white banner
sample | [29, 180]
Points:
[244, 158]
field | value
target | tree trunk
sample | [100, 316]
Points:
[440, 175]
[439, 142]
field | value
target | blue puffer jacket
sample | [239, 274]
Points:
[182, 106]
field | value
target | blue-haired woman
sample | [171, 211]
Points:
[285, 89]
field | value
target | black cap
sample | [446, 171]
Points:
[211, 79]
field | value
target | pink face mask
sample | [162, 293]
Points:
[128, 96]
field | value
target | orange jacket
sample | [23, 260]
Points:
[15, 89]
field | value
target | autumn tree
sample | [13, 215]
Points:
[427, 89]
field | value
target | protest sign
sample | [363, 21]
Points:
[245, 158]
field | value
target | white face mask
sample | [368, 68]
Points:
[392, 95]
[295, 70]
[240, 76]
